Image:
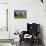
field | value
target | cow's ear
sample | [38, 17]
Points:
[42, 1]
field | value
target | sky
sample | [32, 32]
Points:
[20, 11]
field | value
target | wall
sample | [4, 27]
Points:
[35, 13]
[3, 1]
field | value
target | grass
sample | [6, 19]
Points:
[20, 17]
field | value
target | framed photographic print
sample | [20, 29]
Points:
[19, 14]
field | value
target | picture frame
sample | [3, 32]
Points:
[20, 14]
